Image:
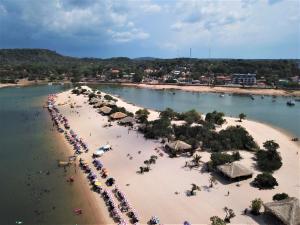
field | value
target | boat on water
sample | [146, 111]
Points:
[222, 95]
[252, 97]
[297, 99]
[290, 103]
[49, 83]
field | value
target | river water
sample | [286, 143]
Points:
[33, 189]
[276, 112]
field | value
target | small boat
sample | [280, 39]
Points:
[290, 103]
[251, 96]
[222, 95]
[297, 99]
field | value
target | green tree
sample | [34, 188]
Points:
[256, 205]
[137, 78]
[265, 181]
[229, 214]
[280, 196]
[215, 220]
[242, 116]
[142, 115]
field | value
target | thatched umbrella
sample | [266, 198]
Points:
[235, 170]
[118, 115]
[127, 120]
[93, 100]
[178, 146]
[105, 110]
[287, 210]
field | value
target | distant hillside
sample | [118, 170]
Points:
[20, 56]
[43, 63]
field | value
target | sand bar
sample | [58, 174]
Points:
[154, 193]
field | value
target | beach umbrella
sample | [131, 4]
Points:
[118, 115]
[186, 223]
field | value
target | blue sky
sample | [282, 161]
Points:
[166, 28]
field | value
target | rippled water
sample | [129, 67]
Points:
[260, 109]
[28, 149]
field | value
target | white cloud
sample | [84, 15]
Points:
[127, 36]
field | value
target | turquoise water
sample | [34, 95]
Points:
[260, 109]
[28, 149]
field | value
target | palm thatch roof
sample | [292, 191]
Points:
[287, 210]
[127, 119]
[118, 115]
[234, 170]
[105, 110]
[178, 145]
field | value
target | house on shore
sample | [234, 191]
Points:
[244, 79]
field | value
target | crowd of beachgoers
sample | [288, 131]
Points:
[96, 172]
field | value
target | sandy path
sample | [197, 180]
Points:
[153, 193]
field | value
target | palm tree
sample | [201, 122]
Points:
[195, 188]
[229, 214]
[212, 181]
[147, 163]
[242, 116]
[197, 159]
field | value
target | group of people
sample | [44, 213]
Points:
[115, 210]
[58, 120]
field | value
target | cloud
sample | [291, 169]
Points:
[127, 36]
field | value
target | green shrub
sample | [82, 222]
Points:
[280, 196]
[265, 181]
[215, 117]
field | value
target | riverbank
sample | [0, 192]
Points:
[218, 89]
[167, 182]
[22, 83]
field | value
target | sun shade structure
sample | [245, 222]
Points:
[118, 115]
[178, 145]
[127, 120]
[94, 100]
[287, 210]
[105, 110]
[235, 170]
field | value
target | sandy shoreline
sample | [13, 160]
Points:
[153, 193]
[228, 90]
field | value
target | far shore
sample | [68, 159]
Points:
[219, 89]
[161, 192]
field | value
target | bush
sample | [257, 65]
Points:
[269, 160]
[218, 158]
[158, 129]
[215, 117]
[280, 196]
[265, 181]
[256, 206]
[109, 98]
[142, 115]
[190, 117]
[215, 220]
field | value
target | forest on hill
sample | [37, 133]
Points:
[42, 63]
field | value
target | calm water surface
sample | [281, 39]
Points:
[28, 149]
[261, 109]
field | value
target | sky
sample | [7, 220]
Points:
[154, 28]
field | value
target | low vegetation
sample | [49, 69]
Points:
[218, 158]
[256, 205]
[280, 196]
[269, 159]
[264, 181]
[215, 118]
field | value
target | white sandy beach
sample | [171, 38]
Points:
[153, 193]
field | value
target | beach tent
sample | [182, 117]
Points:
[287, 210]
[118, 115]
[105, 110]
[127, 120]
[235, 170]
[178, 146]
